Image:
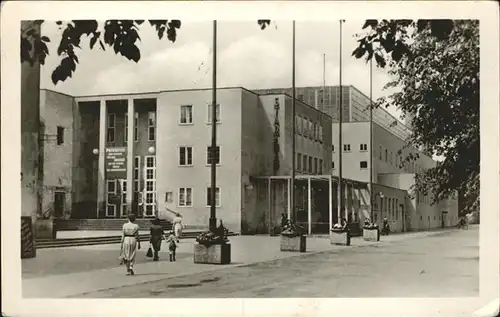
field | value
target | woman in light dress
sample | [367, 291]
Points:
[177, 224]
[130, 243]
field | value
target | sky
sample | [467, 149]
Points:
[247, 56]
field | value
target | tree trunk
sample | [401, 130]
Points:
[30, 125]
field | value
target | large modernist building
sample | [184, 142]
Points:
[149, 153]
[107, 155]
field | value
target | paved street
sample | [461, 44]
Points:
[424, 264]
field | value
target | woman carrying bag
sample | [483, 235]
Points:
[156, 236]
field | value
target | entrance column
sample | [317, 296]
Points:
[353, 206]
[101, 188]
[130, 153]
[330, 203]
[309, 218]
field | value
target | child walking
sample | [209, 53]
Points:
[172, 245]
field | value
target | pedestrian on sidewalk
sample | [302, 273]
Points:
[178, 226]
[156, 236]
[130, 243]
[172, 246]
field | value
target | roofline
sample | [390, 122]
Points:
[148, 92]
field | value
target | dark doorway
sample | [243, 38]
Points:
[59, 202]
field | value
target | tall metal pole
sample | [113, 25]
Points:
[324, 83]
[292, 181]
[341, 191]
[213, 220]
[371, 141]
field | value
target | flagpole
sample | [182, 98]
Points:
[292, 181]
[213, 220]
[324, 83]
[340, 187]
[371, 141]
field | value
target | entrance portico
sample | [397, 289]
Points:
[126, 163]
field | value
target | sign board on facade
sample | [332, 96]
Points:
[27, 239]
[116, 161]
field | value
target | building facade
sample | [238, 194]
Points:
[149, 153]
[106, 156]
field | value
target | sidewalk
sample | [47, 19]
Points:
[245, 250]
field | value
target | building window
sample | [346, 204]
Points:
[124, 191]
[321, 134]
[169, 197]
[299, 161]
[209, 155]
[347, 148]
[363, 164]
[60, 135]
[304, 163]
[151, 125]
[111, 127]
[111, 186]
[363, 147]
[185, 197]
[185, 156]
[136, 126]
[186, 114]
[217, 197]
[333, 165]
[310, 164]
[386, 155]
[217, 113]
[333, 148]
[315, 171]
[301, 97]
[320, 166]
[380, 153]
[297, 125]
[137, 176]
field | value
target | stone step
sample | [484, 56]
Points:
[71, 242]
[102, 224]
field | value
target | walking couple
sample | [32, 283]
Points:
[130, 241]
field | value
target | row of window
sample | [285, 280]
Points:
[363, 147]
[111, 127]
[185, 197]
[309, 164]
[186, 155]
[429, 218]
[423, 198]
[362, 165]
[397, 160]
[389, 207]
[186, 114]
[309, 129]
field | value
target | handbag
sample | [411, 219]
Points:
[149, 254]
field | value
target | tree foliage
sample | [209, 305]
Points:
[436, 65]
[122, 36]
